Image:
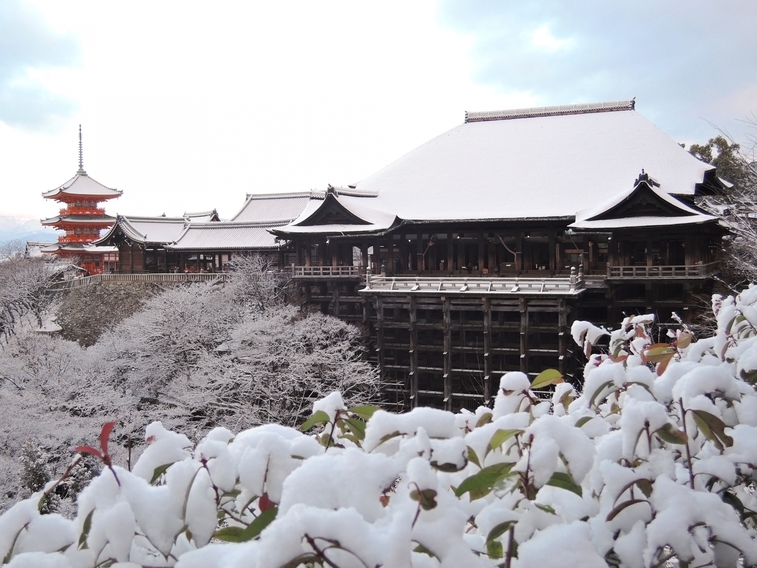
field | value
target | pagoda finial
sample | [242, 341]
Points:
[81, 156]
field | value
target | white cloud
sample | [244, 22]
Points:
[543, 38]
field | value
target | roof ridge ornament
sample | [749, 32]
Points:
[81, 171]
[561, 110]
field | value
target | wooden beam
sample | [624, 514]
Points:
[447, 353]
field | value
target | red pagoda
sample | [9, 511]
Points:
[82, 219]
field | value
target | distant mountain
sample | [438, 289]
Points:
[24, 229]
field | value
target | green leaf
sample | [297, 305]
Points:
[365, 412]
[684, 340]
[387, 437]
[473, 457]
[499, 530]
[545, 508]
[581, 421]
[426, 497]
[481, 483]
[643, 484]
[446, 466]
[501, 436]
[85, 530]
[495, 549]
[671, 434]
[713, 428]
[423, 550]
[251, 531]
[546, 378]
[354, 426]
[486, 417]
[320, 417]
[625, 504]
[659, 353]
[158, 471]
[565, 481]
[602, 387]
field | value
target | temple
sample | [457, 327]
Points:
[82, 219]
[472, 255]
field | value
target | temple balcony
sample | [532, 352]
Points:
[435, 286]
[671, 272]
[74, 210]
[320, 272]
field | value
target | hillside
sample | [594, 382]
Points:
[85, 313]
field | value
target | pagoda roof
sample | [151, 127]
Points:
[273, 207]
[227, 235]
[538, 163]
[82, 185]
[79, 219]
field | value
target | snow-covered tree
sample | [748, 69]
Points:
[24, 291]
[652, 463]
[737, 205]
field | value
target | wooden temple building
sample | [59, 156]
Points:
[200, 242]
[472, 255]
[82, 219]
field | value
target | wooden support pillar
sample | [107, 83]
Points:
[552, 253]
[688, 252]
[492, 250]
[335, 298]
[481, 252]
[562, 336]
[380, 338]
[523, 307]
[519, 252]
[450, 251]
[413, 374]
[489, 388]
[447, 354]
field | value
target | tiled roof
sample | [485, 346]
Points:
[230, 235]
[536, 165]
[277, 208]
[82, 184]
[156, 230]
[79, 219]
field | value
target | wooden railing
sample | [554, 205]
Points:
[473, 286]
[326, 271]
[145, 277]
[681, 271]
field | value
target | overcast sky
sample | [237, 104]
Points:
[189, 106]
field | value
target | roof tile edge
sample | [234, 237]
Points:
[561, 110]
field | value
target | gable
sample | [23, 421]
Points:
[331, 212]
[644, 201]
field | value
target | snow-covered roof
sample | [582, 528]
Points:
[532, 164]
[229, 235]
[202, 216]
[82, 248]
[79, 219]
[337, 211]
[645, 205]
[147, 229]
[272, 207]
[82, 185]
